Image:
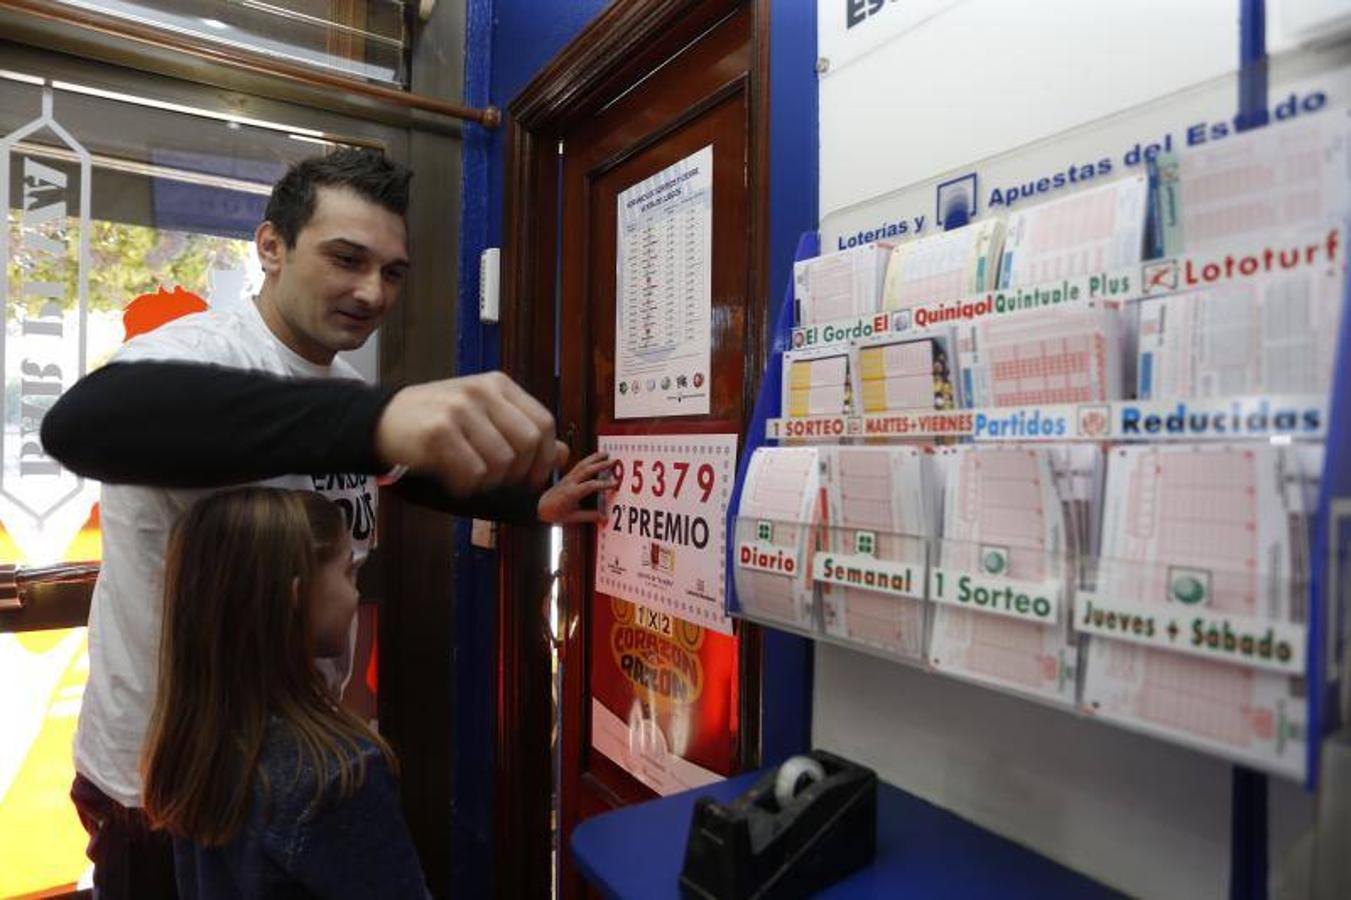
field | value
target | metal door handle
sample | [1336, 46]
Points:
[20, 584]
[44, 597]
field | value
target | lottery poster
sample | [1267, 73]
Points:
[663, 696]
[664, 540]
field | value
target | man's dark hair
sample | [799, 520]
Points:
[370, 173]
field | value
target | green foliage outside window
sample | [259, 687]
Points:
[125, 262]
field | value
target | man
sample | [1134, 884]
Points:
[257, 395]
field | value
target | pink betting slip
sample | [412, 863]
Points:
[840, 285]
[780, 504]
[1273, 335]
[945, 266]
[1282, 179]
[881, 508]
[1206, 528]
[1004, 501]
[1101, 229]
[1032, 358]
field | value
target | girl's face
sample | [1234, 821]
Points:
[332, 600]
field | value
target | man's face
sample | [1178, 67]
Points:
[344, 273]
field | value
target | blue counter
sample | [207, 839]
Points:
[922, 851]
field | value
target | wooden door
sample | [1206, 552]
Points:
[700, 100]
[693, 83]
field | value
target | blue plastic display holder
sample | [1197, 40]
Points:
[768, 405]
[1334, 488]
[1248, 837]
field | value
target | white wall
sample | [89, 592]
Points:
[977, 77]
[1140, 815]
[929, 88]
[1293, 23]
[1092, 91]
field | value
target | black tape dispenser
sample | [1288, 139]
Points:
[798, 829]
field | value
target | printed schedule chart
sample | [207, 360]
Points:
[664, 283]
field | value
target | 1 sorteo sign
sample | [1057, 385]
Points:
[665, 667]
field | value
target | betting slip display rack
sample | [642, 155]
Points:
[793, 568]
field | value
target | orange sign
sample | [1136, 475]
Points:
[664, 696]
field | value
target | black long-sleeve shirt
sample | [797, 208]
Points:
[189, 425]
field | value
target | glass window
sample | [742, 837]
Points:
[122, 211]
[363, 39]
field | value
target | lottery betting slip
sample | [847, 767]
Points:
[776, 532]
[945, 266]
[1274, 335]
[1100, 229]
[840, 285]
[1287, 178]
[1005, 525]
[1030, 358]
[1220, 530]
[881, 510]
[910, 373]
[817, 382]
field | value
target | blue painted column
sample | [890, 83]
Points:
[794, 173]
[1248, 837]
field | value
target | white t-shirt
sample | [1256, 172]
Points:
[125, 614]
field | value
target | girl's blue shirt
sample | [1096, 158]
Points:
[291, 847]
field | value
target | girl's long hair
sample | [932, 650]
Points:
[235, 651]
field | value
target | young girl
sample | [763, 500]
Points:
[269, 787]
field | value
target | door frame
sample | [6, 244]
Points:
[628, 40]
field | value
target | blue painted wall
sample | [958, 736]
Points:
[785, 716]
[507, 43]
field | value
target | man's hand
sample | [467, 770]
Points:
[561, 504]
[474, 433]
